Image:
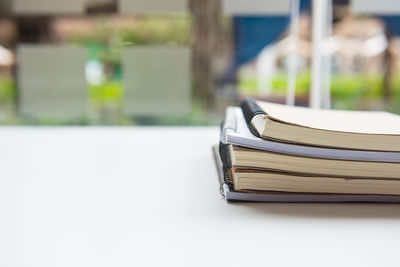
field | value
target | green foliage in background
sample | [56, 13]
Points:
[106, 43]
[158, 30]
[7, 100]
[7, 90]
[348, 91]
[248, 85]
[143, 30]
[111, 91]
[197, 116]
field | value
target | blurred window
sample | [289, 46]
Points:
[157, 80]
[52, 81]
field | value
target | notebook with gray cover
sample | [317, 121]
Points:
[343, 129]
[236, 132]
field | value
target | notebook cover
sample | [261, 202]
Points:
[235, 131]
[360, 130]
[379, 123]
[226, 189]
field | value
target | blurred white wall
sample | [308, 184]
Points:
[152, 6]
[45, 7]
[256, 7]
[377, 7]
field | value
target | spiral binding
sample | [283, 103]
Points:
[250, 108]
[225, 156]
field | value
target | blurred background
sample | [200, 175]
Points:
[181, 62]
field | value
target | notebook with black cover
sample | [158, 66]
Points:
[358, 130]
[227, 190]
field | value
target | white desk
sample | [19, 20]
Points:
[125, 197]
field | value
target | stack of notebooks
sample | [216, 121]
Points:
[276, 153]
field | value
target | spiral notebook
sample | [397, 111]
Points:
[359, 130]
[227, 191]
[256, 167]
[236, 132]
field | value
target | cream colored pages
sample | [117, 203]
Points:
[368, 122]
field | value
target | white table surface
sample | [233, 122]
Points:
[149, 197]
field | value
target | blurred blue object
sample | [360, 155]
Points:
[392, 23]
[253, 33]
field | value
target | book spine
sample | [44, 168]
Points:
[250, 108]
